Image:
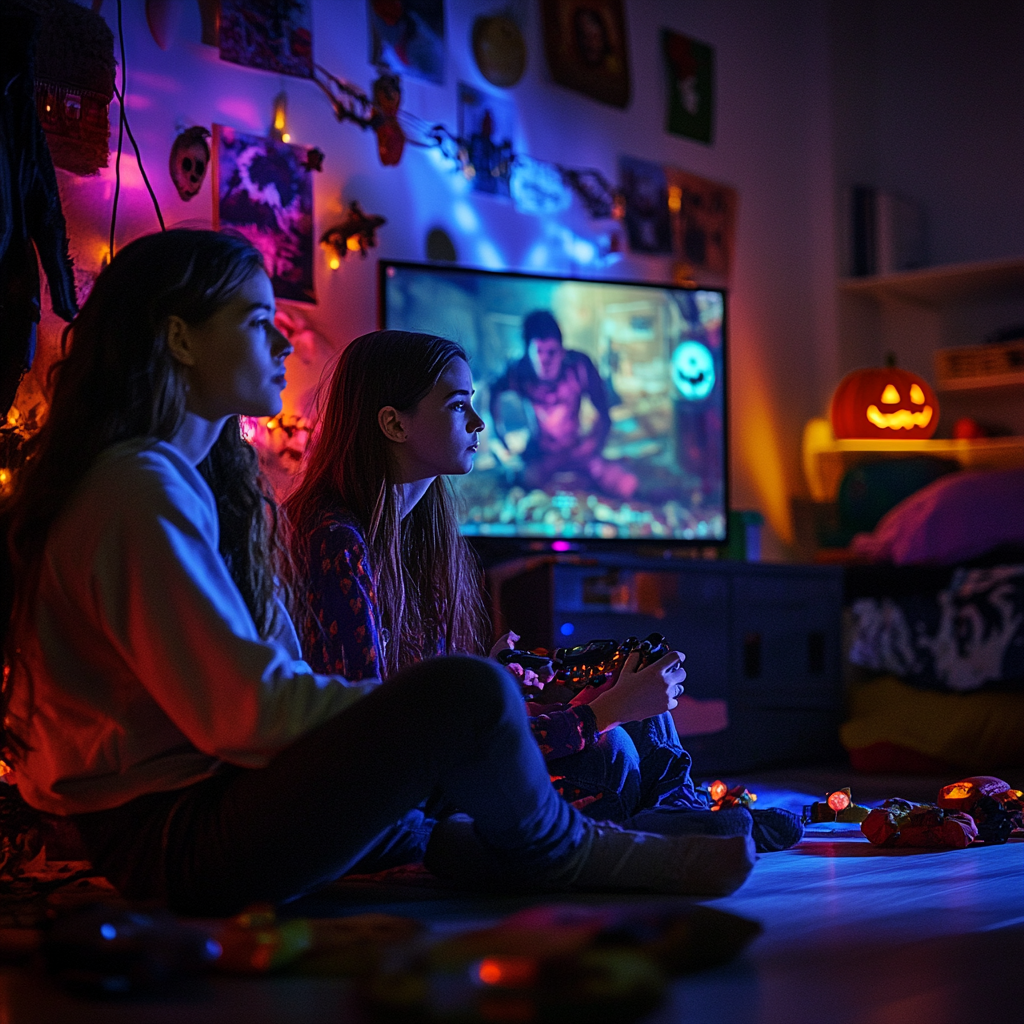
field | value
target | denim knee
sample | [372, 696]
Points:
[475, 685]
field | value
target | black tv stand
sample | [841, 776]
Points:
[765, 639]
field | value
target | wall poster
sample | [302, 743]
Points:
[585, 42]
[273, 35]
[645, 189]
[263, 190]
[703, 216]
[486, 124]
[690, 86]
[408, 37]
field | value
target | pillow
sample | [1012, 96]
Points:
[968, 731]
[954, 519]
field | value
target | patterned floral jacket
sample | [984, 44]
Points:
[343, 637]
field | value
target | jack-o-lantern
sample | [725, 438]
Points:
[995, 807]
[884, 403]
[190, 157]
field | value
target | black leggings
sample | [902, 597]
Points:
[453, 727]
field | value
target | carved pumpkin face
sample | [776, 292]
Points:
[884, 403]
[190, 157]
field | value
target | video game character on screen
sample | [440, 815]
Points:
[552, 381]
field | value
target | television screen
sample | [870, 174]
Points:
[604, 402]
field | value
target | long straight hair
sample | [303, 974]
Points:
[427, 580]
[120, 381]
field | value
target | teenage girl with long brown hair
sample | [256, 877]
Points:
[390, 581]
[153, 691]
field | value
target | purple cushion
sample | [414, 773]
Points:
[951, 520]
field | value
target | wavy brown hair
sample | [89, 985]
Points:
[427, 579]
[118, 381]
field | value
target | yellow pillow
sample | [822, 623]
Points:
[982, 731]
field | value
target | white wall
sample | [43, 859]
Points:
[928, 101]
[773, 143]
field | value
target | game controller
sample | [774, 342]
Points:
[588, 664]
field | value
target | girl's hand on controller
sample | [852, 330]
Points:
[504, 643]
[641, 694]
[590, 693]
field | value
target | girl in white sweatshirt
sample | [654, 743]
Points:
[153, 691]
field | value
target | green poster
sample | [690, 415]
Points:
[690, 81]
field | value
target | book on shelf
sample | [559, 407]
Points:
[979, 365]
[887, 232]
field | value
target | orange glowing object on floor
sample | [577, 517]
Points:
[839, 800]
[508, 971]
[838, 806]
[722, 796]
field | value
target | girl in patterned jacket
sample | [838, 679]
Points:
[389, 581]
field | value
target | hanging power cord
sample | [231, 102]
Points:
[124, 126]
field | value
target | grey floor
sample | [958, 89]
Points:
[851, 934]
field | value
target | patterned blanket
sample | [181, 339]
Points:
[966, 636]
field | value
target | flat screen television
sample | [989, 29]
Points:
[604, 403]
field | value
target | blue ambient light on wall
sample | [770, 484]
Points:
[567, 629]
[537, 188]
[693, 370]
[489, 256]
[465, 216]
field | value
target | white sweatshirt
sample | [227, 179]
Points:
[143, 670]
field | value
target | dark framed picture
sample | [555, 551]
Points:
[645, 188]
[585, 42]
[690, 87]
[703, 222]
[263, 190]
[408, 37]
[273, 35]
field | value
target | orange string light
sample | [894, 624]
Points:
[839, 800]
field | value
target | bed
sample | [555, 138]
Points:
[934, 603]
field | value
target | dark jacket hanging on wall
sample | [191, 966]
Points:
[30, 210]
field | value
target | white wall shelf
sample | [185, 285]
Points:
[826, 459]
[939, 286]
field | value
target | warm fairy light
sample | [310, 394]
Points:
[839, 800]
[718, 789]
[958, 791]
[675, 198]
[334, 263]
[352, 243]
[508, 971]
[279, 120]
[5, 769]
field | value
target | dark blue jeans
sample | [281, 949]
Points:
[449, 729]
[632, 768]
[637, 775]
